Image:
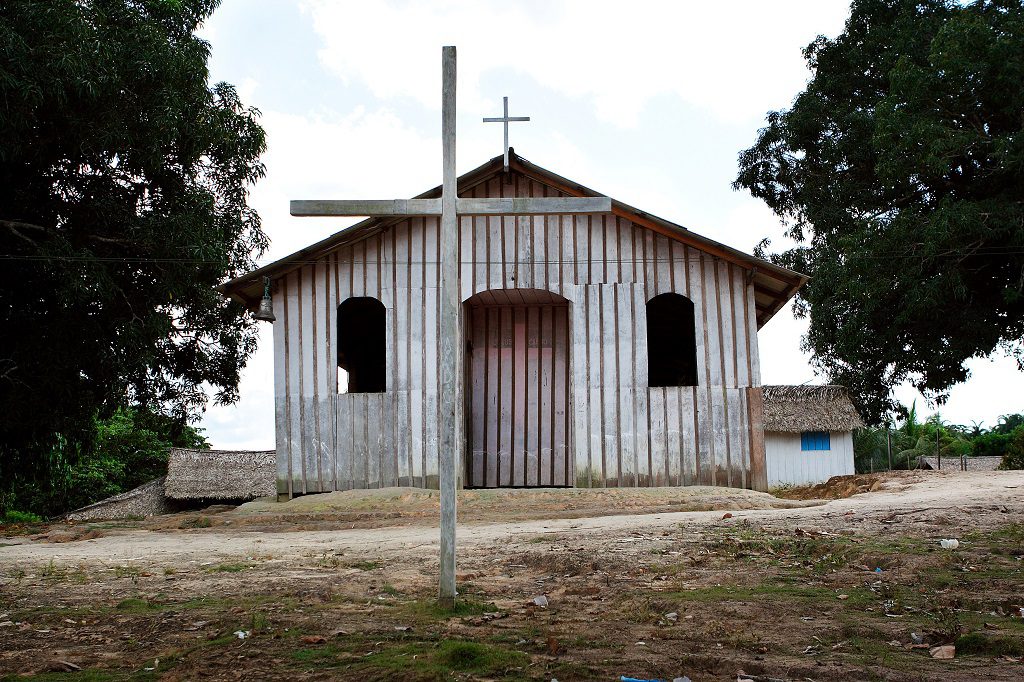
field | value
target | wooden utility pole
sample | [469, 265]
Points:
[888, 443]
[449, 396]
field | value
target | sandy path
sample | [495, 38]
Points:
[938, 491]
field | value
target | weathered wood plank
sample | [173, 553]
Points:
[344, 445]
[755, 416]
[736, 441]
[365, 207]
[506, 377]
[366, 464]
[647, 464]
[493, 395]
[658, 428]
[579, 391]
[519, 396]
[531, 424]
[476, 360]
[687, 436]
[625, 382]
[561, 399]
[527, 206]
[281, 412]
[610, 385]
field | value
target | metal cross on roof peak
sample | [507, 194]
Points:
[506, 119]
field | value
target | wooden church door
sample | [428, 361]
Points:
[517, 389]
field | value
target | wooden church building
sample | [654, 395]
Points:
[610, 349]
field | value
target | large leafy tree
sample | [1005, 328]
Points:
[900, 173]
[123, 188]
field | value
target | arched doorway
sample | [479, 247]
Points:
[517, 389]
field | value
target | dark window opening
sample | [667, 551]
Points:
[671, 341]
[361, 346]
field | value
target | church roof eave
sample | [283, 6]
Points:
[774, 285]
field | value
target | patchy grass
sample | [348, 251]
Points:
[138, 606]
[430, 610]
[416, 660]
[365, 565]
[984, 644]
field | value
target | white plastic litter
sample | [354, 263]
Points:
[949, 543]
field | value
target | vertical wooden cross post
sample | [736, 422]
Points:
[450, 394]
[449, 207]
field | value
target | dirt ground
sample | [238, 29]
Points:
[566, 585]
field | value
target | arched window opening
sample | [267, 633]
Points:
[362, 367]
[671, 341]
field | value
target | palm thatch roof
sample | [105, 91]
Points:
[220, 474]
[795, 409]
[142, 502]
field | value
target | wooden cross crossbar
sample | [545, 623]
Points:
[432, 207]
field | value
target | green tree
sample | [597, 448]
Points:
[1014, 457]
[125, 450]
[123, 203]
[899, 171]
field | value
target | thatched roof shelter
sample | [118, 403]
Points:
[142, 502]
[795, 409]
[220, 474]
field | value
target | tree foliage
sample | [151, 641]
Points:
[122, 452]
[899, 171]
[911, 439]
[123, 203]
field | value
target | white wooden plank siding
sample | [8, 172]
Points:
[611, 430]
[788, 465]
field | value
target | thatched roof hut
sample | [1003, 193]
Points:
[795, 409]
[220, 474]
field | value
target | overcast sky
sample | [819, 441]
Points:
[647, 102]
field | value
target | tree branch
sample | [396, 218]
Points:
[16, 224]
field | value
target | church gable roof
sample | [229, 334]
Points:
[773, 285]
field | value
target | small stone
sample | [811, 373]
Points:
[844, 597]
[541, 601]
[673, 616]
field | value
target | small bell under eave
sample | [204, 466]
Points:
[266, 309]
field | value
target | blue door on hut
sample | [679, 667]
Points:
[517, 389]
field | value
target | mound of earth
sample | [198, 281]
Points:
[841, 487]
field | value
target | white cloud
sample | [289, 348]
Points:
[728, 57]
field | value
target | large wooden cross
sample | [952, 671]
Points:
[449, 207]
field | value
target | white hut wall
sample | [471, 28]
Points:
[789, 465]
[623, 432]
